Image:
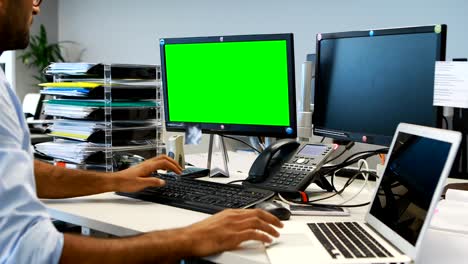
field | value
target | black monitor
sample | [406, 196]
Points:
[367, 82]
[239, 85]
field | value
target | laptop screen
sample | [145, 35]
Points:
[410, 179]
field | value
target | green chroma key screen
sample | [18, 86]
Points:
[244, 82]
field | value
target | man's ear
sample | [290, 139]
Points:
[2, 7]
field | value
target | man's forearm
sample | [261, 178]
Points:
[156, 247]
[58, 182]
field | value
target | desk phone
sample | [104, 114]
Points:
[289, 166]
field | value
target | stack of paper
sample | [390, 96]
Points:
[71, 151]
[96, 90]
[95, 131]
[447, 237]
[93, 109]
[69, 68]
[103, 111]
[452, 213]
[119, 71]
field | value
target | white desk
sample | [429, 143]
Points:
[122, 216]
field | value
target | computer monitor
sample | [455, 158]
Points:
[367, 82]
[238, 85]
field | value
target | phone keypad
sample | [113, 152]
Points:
[297, 171]
[290, 176]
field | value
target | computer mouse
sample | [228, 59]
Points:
[275, 209]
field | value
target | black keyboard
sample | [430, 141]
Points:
[192, 172]
[202, 196]
[348, 240]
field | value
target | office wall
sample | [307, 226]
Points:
[127, 31]
[25, 83]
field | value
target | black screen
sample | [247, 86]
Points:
[366, 85]
[409, 182]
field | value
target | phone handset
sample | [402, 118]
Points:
[288, 166]
[259, 170]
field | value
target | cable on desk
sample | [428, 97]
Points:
[348, 183]
[261, 141]
[286, 201]
[320, 204]
[345, 205]
[325, 170]
[373, 152]
[236, 181]
[366, 177]
[347, 147]
[350, 180]
[356, 156]
[330, 169]
[241, 141]
[302, 203]
[311, 202]
[446, 122]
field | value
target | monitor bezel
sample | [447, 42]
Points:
[236, 129]
[356, 136]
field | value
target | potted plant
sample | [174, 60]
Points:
[41, 53]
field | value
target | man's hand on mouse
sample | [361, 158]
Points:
[223, 231]
[229, 228]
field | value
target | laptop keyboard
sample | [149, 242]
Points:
[348, 240]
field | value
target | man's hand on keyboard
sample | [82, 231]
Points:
[227, 229]
[140, 176]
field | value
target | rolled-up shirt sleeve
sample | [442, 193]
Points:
[27, 234]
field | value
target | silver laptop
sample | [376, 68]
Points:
[418, 164]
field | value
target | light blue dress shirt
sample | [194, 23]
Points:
[26, 231]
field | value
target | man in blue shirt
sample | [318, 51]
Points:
[26, 232]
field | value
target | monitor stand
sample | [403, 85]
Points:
[460, 165]
[217, 171]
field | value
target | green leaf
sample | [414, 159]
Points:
[41, 53]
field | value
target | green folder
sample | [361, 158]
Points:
[96, 103]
